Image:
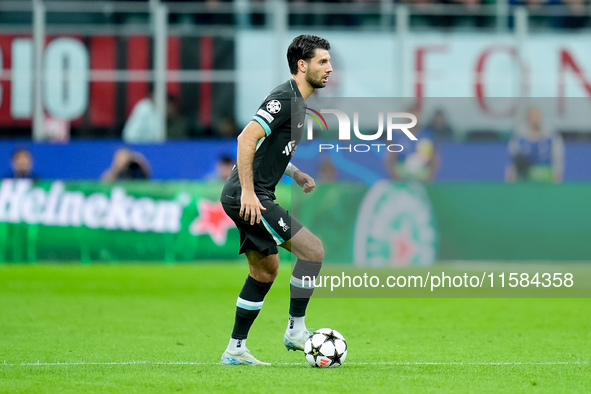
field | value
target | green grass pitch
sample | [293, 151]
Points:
[129, 328]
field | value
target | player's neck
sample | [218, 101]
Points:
[304, 87]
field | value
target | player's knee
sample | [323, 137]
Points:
[271, 272]
[316, 251]
[265, 275]
[320, 253]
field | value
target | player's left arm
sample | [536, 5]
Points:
[305, 181]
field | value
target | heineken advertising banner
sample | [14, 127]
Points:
[179, 221]
[89, 221]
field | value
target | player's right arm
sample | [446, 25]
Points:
[250, 206]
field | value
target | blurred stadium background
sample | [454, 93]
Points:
[174, 82]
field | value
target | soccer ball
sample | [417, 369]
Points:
[326, 348]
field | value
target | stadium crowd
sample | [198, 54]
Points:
[559, 14]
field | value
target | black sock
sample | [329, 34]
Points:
[302, 286]
[248, 306]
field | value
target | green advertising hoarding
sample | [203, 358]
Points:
[89, 221]
[388, 224]
[396, 224]
[521, 221]
[184, 221]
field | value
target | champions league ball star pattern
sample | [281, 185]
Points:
[326, 348]
[274, 106]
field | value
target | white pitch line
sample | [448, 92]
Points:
[393, 363]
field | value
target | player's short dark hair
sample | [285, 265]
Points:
[303, 47]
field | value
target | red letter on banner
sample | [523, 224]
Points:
[420, 72]
[479, 84]
[567, 61]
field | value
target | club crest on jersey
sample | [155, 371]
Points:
[289, 148]
[283, 225]
[274, 106]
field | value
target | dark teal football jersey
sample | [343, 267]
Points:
[281, 115]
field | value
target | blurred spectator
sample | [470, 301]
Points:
[465, 12]
[300, 19]
[258, 18]
[536, 154]
[227, 127]
[143, 125]
[576, 17]
[327, 172]
[573, 16]
[214, 14]
[440, 128]
[177, 125]
[223, 168]
[21, 163]
[307, 18]
[127, 165]
[418, 160]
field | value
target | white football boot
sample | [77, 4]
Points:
[242, 358]
[296, 343]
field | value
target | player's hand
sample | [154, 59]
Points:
[251, 207]
[305, 181]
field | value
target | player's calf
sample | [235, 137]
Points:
[310, 252]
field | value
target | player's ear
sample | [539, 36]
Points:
[302, 65]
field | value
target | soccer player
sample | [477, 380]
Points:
[265, 148]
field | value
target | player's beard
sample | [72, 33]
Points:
[315, 81]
